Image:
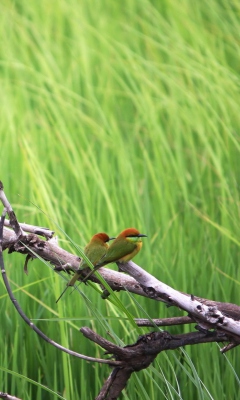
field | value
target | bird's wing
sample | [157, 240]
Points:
[94, 255]
[116, 252]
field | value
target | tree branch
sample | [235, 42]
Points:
[64, 261]
[207, 313]
[207, 316]
[141, 354]
[164, 321]
[46, 232]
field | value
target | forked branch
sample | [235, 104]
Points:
[141, 354]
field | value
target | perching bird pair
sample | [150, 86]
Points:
[123, 248]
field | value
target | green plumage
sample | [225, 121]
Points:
[123, 248]
[94, 252]
[120, 248]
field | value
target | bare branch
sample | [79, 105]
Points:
[65, 261]
[208, 317]
[140, 355]
[164, 321]
[12, 217]
[215, 314]
[46, 232]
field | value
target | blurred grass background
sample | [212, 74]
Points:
[119, 114]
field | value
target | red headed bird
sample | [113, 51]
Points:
[95, 250]
[126, 245]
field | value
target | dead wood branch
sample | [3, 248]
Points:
[207, 313]
[141, 354]
[47, 233]
[207, 316]
[164, 321]
[65, 261]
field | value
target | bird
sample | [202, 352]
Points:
[123, 248]
[94, 251]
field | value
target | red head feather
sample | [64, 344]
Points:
[131, 232]
[102, 237]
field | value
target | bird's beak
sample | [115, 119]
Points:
[111, 238]
[142, 235]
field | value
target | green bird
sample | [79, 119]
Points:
[95, 250]
[126, 245]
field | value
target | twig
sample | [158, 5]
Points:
[46, 232]
[164, 321]
[12, 217]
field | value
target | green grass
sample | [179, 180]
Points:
[116, 115]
